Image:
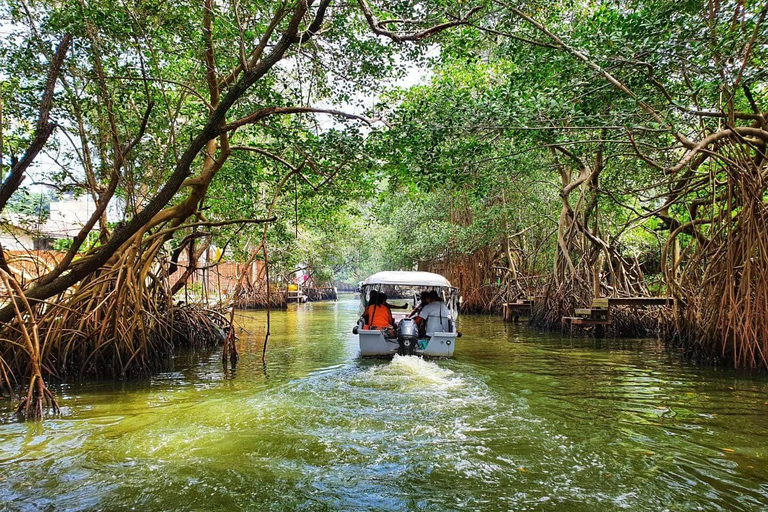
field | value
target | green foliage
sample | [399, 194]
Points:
[474, 155]
[63, 244]
[32, 204]
[479, 138]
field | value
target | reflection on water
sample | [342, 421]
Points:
[516, 421]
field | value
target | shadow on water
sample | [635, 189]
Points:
[516, 421]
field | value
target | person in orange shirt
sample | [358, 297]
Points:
[369, 310]
[372, 298]
[378, 315]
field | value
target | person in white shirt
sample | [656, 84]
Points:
[423, 301]
[435, 314]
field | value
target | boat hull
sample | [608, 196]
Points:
[373, 343]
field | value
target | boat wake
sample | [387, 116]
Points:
[406, 373]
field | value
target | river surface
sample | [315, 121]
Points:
[516, 421]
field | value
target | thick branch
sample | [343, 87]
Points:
[271, 111]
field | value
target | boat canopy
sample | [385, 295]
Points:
[407, 278]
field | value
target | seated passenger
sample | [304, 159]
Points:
[434, 315]
[372, 298]
[378, 315]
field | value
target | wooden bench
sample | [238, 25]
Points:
[593, 313]
[513, 310]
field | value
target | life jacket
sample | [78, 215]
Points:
[379, 316]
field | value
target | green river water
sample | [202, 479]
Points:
[516, 421]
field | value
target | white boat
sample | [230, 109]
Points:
[404, 339]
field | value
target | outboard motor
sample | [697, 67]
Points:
[407, 336]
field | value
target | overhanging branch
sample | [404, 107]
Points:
[273, 111]
[400, 37]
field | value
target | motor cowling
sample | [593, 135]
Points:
[407, 336]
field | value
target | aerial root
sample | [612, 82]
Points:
[39, 397]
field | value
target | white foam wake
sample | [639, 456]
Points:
[410, 372]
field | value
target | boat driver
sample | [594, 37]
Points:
[435, 315]
[423, 300]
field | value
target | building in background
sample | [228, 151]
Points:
[25, 232]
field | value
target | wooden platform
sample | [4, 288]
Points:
[599, 314]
